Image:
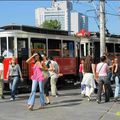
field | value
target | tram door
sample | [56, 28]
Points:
[22, 45]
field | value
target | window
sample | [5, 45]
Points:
[22, 44]
[7, 52]
[82, 50]
[3, 46]
[117, 49]
[54, 47]
[11, 46]
[68, 49]
[110, 47]
[38, 45]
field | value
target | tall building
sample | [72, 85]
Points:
[59, 11]
[78, 22]
[84, 22]
[63, 12]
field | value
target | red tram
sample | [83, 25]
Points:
[22, 41]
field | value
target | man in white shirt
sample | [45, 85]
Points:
[54, 77]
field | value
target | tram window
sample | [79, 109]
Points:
[96, 51]
[54, 47]
[82, 50]
[87, 49]
[3, 46]
[38, 45]
[117, 49]
[10, 51]
[22, 45]
[110, 47]
[68, 49]
[11, 46]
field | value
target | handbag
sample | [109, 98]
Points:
[45, 74]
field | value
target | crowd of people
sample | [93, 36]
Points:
[45, 74]
[93, 76]
[99, 76]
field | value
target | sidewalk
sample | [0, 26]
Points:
[68, 106]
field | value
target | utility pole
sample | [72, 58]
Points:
[102, 27]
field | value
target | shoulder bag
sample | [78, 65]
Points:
[97, 73]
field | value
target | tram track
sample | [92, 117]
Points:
[107, 111]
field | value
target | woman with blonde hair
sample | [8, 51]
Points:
[88, 78]
[14, 72]
[116, 72]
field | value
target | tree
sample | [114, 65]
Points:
[51, 24]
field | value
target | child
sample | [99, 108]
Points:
[1, 78]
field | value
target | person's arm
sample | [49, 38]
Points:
[8, 73]
[1, 73]
[1, 70]
[116, 68]
[30, 58]
[107, 67]
[51, 68]
[40, 64]
[93, 68]
[43, 66]
[58, 69]
[20, 73]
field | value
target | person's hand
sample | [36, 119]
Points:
[7, 77]
[21, 79]
[35, 54]
[60, 74]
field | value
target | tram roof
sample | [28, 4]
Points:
[34, 29]
[107, 35]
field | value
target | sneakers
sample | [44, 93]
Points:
[98, 101]
[89, 98]
[54, 95]
[47, 103]
[30, 107]
[12, 99]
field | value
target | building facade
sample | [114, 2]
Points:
[62, 11]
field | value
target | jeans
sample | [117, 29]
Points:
[31, 99]
[47, 86]
[13, 86]
[109, 75]
[103, 80]
[117, 87]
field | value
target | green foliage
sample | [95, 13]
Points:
[51, 24]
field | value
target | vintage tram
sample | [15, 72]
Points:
[91, 45]
[22, 41]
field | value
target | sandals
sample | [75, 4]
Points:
[89, 98]
[30, 107]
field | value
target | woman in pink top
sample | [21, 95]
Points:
[37, 78]
[81, 69]
[102, 69]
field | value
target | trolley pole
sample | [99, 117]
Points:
[102, 27]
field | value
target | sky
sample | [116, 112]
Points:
[23, 12]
